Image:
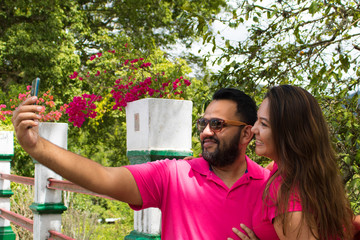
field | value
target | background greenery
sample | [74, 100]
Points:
[311, 43]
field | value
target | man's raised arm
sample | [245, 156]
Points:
[116, 182]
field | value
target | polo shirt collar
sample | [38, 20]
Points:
[201, 166]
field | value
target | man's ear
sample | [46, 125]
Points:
[246, 135]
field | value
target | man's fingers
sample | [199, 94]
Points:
[240, 234]
[249, 232]
[28, 124]
[27, 105]
[30, 101]
[26, 114]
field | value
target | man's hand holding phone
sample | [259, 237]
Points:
[26, 119]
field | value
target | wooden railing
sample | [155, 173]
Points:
[47, 206]
[71, 187]
[54, 184]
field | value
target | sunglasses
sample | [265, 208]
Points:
[216, 124]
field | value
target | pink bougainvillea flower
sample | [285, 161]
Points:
[144, 65]
[74, 75]
[187, 82]
[81, 108]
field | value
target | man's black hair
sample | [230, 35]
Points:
[246, 106]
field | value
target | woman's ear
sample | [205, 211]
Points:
[246, 135]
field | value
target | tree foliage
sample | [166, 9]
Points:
[48, 39]
[51, 39]
[311, 43]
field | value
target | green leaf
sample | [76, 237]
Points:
[227, 43]
[274, 12]
[214, 44]
[345, 62]
[314, 7]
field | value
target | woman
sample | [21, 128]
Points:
[304, 197]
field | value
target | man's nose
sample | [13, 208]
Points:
[207, 130]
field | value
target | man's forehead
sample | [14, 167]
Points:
[226, 108]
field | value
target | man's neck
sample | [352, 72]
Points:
[230, 174]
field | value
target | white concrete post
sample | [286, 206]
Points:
[6, 152]
[48, 205]
[156, 129]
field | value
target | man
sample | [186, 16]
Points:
[203, 198]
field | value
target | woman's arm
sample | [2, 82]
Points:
[294, 229]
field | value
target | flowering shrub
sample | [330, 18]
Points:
[116, 75]
[3, 113]
[48, 112]
[81, 108]
[126, 79]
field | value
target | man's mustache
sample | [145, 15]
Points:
[210, 138]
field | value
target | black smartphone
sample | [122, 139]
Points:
[35, 87]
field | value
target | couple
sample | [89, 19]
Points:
[206, 198]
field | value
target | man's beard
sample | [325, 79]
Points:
[225, 156]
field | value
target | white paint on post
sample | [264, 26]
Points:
[5, 204]
[57, 134]
[45, 222]
[157, 124]
[6, 142]
[5, 168]
[148, 221]
[6, 149]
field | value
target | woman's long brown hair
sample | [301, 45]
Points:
[307, 164]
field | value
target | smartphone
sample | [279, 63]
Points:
[35, 87]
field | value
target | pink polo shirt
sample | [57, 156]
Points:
[195, 203]
[264, 214]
